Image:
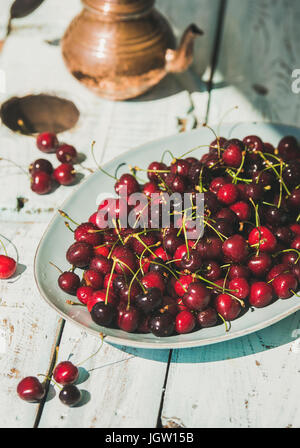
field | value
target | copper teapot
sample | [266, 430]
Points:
[122, 48]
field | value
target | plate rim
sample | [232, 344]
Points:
[161, 345]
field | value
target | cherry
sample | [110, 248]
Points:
[66, 154]
[295, 244]
[211, 203]
[102, 314]
[126, 260]
[148, 240]
[261, 294]
[254, 143]
[69, 282]
[285, 285]
[289, 258]
[288, 148]
[232, 156]
[101, 264]
[150, 188]
[235, 248]
[100, 296]
[135, 290]
[109, 282]
[8, 267]
[149, 301]
[242, 210]
[217, 183]
[228, 194]
[128, 319]
[157, 265]
[211, 270]
[284, 234]
[237, 270]
[154, 280]
[171, 242]
[127, 185]
[88, 233]
[181, 285]
[65, 174]
[41, 182]
[30, 389]
[276, 270]
[184, 322]
[207, 318]
[162, 324]
[239, 287]
[93, 278]
[223, 226]
[181, 167]
[263, 238]
[291, 173]
[253, 191]
[219, 142]
[80, 254]
[294, 199]
[260, 264]
[197, 297]
[211, 248]
[161, 253]
[70, 395]
[227, 306]
[295, 228]
[41, 165]
[84, 294]
[143, 326]
[269, 148]
[65, 373]
[47, 142]
[170, 304]
[153, 171]
[176, 183]
[191, 261]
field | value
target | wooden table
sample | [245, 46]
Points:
[248, 382]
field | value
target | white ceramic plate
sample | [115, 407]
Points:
[83, 202]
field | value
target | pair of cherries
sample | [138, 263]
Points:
[43, 175]
[30, 389]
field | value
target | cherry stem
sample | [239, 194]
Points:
[109, 280]
[102, 336]
[4, 248]
[66, 216]
[164, 153]
[133, 273]
[225, 322]
[16, 165]
[51, 380]
[229, 111]
[56, 267]
[97, 164]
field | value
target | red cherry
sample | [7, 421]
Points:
[30, 389]
[207, 318]
[239, 287]
[228, 194]
[181, 167]
[127, 260]
[176, 183]
[148, 240]
[80, 254]
[261, 294]
[66, 154]
[276, 270]
[219, 142]
[65, 174]
[285, 285]
[128, 319]
[154, 280]
[65, 373]
[260, 264]
[227, 306]
[100, 296]
[93, 278]
[237, 270]
[150, 188]
[296, 243]
[197, 297]
[88, 233]
[254, 143]
[41, 165]
[217, 183]
[84, 294]
[232, 156]
[295, 228]
[263, 237]
[242, 210]
[211, 270]
[288, 148]
[47, 142]
[69, 282]
[235, 248]
[154, 173]
[161, 253]
[41, 182]
[8, 267]
[185, 322]
[127, 185]
[108, 280]
[101, 264]
[181, 285]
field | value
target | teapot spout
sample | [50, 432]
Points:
[179, 60]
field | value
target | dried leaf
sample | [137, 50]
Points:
[22, 8]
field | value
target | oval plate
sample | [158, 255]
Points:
[83, 202]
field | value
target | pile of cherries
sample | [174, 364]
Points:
[156, 280]
[43, 175]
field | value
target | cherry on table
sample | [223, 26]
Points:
[41, 165]
[47, 142]
[66, 153]
[8, 267]
[31, 389]
[70, 395]
[65, 373]
[41, 182]
[65, 174]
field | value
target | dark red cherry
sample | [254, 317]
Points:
[170, 304]
[211, 202]
[239, 288]
[227, 306]
[254, 143]
[8, 267]
[30, 389]
[84, 294]
[207, 318]
[148, 240]
[235, 248]
[197, 297]
[288, 148]
[41, 165]
[242, 210]
[47, 142]
[128, 319]
[223, 226]
[217, 183]
[93, 278]
[261, 294]
[154, 280]
[284, 234]
[176, 183]
[181, 167]
[64, 174]
[269, 148]
[232, 156]
[70, 395]
[191, 261]
[293, 200]
[80, 254]
[228, 194]
[285, 285]
[88, 233]
[260, 264]
[171, 242]
[263, 238]
[276, 270]
[218, 143]
[69, 282]
[254, 192]
[66, 154]
[162, 324]
[149, 301]
[101, 264]
[150, 188]
[41, 182]
[126, 260]
[65, 373]
[155, 173]
[237, 270]
[290, 258]
[295, 244]
[185, 322]
[127, 185]
[228, 215]
[102, 314]
[211, 270]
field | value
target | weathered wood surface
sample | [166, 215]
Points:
[251, 381]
